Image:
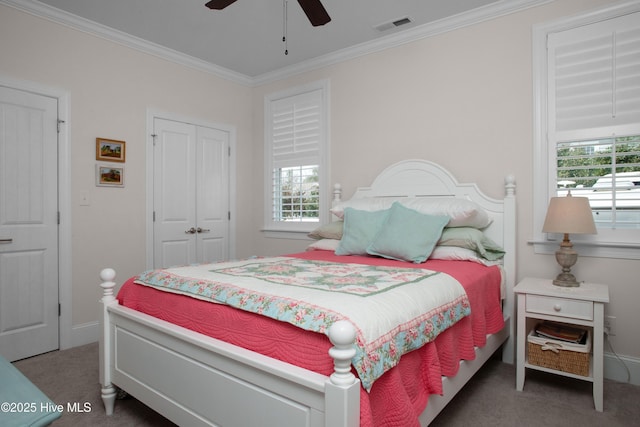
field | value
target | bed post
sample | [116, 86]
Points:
[342, 392]
[510, 233]
[337, 194]
[337, 198]
[108, 391]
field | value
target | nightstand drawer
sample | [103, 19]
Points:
[575, 309]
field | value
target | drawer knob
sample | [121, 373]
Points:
[557, 307]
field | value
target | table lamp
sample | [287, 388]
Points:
[568, 215]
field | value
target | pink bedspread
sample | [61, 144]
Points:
[400, 395]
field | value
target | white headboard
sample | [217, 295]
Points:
[422, 178]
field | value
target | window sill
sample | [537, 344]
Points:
[591, 249]
[287, 234]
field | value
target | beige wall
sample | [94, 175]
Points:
[111, 87]
[462, 99]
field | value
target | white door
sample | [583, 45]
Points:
[190, 194]
[212, 198]
[28, 224]
[174, 193]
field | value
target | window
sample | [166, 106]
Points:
[295, 157]
[587, 125]
[607, 172]
[296, 196]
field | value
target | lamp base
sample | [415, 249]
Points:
[566, 257]
[566, 280]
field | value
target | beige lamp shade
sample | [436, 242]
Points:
[569, 215]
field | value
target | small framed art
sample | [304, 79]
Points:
[109, 176]
[110, 150]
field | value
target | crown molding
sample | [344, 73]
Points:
[485, 13]
[465, 19]
[58, 16]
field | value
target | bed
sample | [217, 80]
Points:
[199, 370]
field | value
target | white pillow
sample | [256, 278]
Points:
[463, 212]
[324, 245]
[455, 253]
[365, 204]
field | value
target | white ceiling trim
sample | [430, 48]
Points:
[85, 25]
[431, 29]
[481, 14]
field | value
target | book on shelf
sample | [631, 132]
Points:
[561, 332]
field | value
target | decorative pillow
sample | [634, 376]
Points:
[462, 212]
[455, 253]
[332, 230]
[324, 245]
[360, 227]
[369, 204]
[407, 235]
[473, 239]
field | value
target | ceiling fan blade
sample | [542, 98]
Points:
[315, 12]
[219, 4]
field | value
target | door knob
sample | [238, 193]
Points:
[11, 240]
[202, 230]
[192, 230]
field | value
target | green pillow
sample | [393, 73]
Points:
[408, 235]
[474, 239]
[359, 229]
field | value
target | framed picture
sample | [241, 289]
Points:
[110, 150]
[109, 176]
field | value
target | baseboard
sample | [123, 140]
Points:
[85, 333]
[625, 369]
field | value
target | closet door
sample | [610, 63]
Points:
[190, 194]
[212, 198]
[174, 194]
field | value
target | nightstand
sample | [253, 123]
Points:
[540, 299]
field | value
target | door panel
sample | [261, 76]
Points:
[174, 193]
[213, 195]
[191, 194]
[28, 224]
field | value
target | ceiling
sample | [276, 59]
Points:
[246, 37]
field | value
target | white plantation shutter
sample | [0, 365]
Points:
[296, 126]
[588, 68]
[296, 146]
[594, 79]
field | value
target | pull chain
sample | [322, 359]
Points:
[285, 5]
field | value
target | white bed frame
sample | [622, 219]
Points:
[196, 380]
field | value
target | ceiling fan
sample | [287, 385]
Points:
[314, 10]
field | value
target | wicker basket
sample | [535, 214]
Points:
[559, 355]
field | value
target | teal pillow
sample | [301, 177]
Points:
[358, 230]
[407, 235]
[474, 239]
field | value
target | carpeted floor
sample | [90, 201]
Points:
[71, 376]
[489, 399]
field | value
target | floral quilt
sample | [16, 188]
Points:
[394, 310]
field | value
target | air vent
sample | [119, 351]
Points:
[393, 24]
